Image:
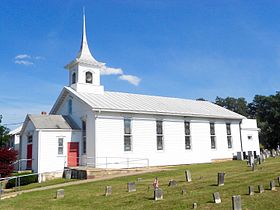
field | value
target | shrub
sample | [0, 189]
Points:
[7, 158]
[22, 180]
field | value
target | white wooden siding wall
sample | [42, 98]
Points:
[49, 159]
[81, 112]
[110, 141]
[249, 128]
[29, 129]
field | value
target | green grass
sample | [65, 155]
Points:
[204, 178]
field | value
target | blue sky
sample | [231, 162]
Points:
[186, 49]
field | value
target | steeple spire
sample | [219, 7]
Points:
[84, 53]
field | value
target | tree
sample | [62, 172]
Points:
[7, 158]
[4, 134]
[266, 109]
[238, 105]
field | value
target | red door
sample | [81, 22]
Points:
[73, 154]
[29, 156]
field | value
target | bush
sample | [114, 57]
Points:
[22, 180]
[7, 158]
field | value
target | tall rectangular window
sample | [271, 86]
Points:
[60, 146]
[127, 135]
[84, 137]
[229, 137]
[212, 136]
[187, 135]
[159, 135]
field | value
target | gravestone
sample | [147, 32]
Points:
[253, 167]
[272, 185]
[67, 173]
[1, 190]
[217, 197]
[260, 160]
[139, 179]
[172, 183]
[250, 160]
[221, 178]
[108, 190]
[278, 178]
[236, 202]
[131, 186]
[261, 189]
[184, 191]
[194, 205]
[251, 190]
[59, 194]
[158, 194]
[188, 176]
[239, 156]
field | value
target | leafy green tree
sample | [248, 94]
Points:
[266, 109]
[4, 134]
[238, 105]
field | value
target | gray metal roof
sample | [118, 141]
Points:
[136, 103]
[53, 122]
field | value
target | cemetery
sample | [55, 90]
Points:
[223, 185]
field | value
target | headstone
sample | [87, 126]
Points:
[278, 178]
[261, 189]
[188, 176]
[158, 194]
[184, 191]
[59, 194]
[217, 197]
[139, 179]
[172, 183]
[272, 185]
[253, 167]
[108, 190]
[239, 156]
[260, 160]
[221, 178]
[236, 202]
[194, 205]
[131, 186]
[250, 160]
[67, 173]
[1, 188]
[251, 190]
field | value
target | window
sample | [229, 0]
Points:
[70, 106]
[84, 137]
[229, 137]
[127, 135]
[74, 78]
[187, 135]
[159, 135]
[60, 146]
[212, 136]
[29, 139]
[88, 77]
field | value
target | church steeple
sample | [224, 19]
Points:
[84, 70]
[84, 53]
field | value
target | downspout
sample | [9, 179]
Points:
[241, 138]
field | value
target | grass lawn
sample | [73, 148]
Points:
[204, 179]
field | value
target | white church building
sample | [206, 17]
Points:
[88, 126]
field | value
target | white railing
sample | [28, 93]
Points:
[18, 165]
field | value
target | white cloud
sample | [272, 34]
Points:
[111, 71]
[22, 56]
[131, 79]
[24, 62]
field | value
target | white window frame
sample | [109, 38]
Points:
[188, 135]
[59, 146]
[159, 136]
[229, 136]
[213, 136]
[127, 135]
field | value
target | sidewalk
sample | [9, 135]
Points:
[149, 170]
